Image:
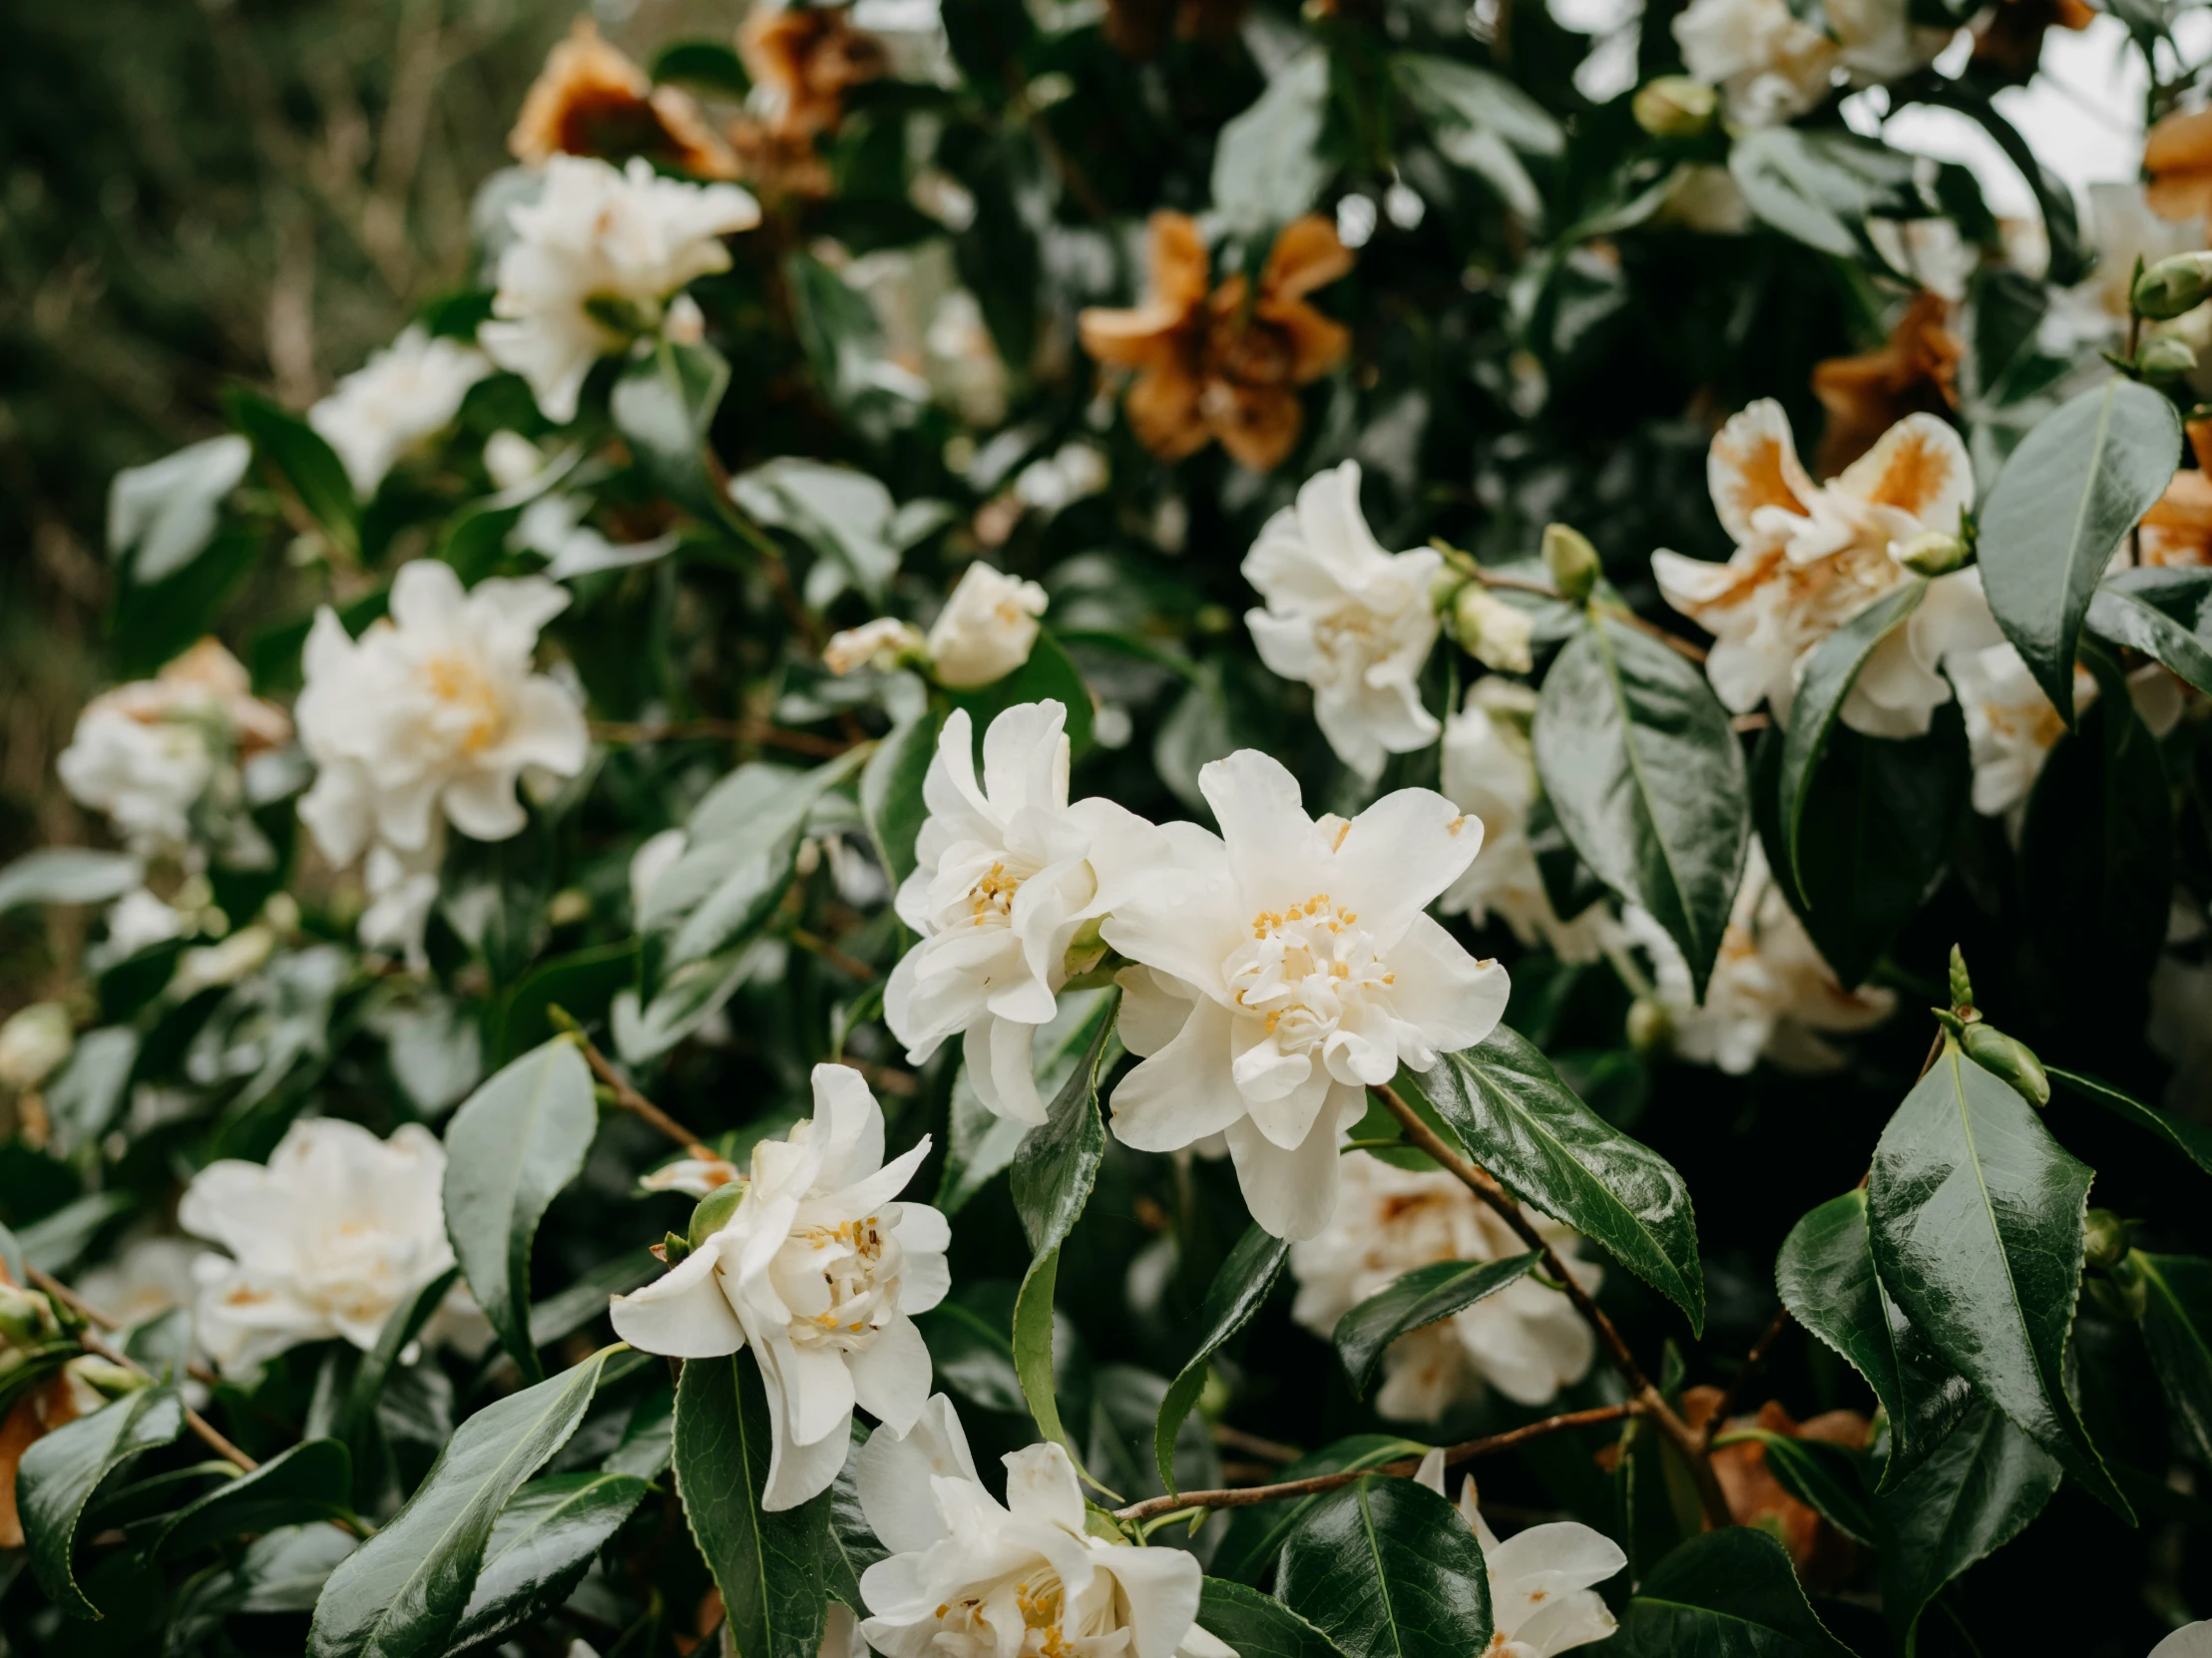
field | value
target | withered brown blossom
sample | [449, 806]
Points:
[590, 100]
[1916, 371]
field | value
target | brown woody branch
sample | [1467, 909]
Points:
[624, 1095]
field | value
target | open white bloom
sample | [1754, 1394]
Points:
[1879, 40]
[882, 643]
[1810, 557]
[150, 1276]
[2191, 1640]
[1346, 618]
[817, 1270]
[693, 1176]
[138, 921]
[986, 630]
[595, 261]
[1286, 965]
[1542, 1599]
[971, 1577]
[34, 1042]
[2012, 726]
[402, 890]
[433, 713]
[1527, 1341]
[1770, 62]
[144, 753]
[326, 1240]
[1489, 771]
[1770, 994]
[1005, 874]
[409, 391]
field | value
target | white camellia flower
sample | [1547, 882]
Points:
[337, 1230]
[1770, 994]
[2012, 726]
[1771, 63]
[817, 1270]
[971, 1577]
[1542, 1599]
[1527, 1341]
[1348, 619]
[1489, 771]
[882, 643]
[34, 1042]
[409, 391]
[150, 1276]
[1284, 966]
[2191, 1640]
[595, 261]
[1005, 874]
[1810, 557]
[986, 630]
[1880, 41]
[144, 753]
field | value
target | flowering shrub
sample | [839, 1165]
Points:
[1107, 852]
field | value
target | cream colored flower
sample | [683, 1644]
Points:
[1770, 62]
[1541, 1596]
[403, 394]
[882, 643]
[1527, 1341]
[2012, 726]
[33, 1044]
[150, 1277]
[986, 630]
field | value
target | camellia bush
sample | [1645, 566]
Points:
[1145, 831]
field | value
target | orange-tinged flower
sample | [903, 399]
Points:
[38, 1413]
[1823, 1554]
[2179, 156]
[806, 58]
[1224, 365]
[1914, 372]
[590, 100]
[2177, 531]
[2008, 41]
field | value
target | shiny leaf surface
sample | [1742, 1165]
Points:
[1420, 1297]
[1389, 1569]
[1236, 1293]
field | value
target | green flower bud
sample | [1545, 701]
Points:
[1443, 589]
[1933, 552]
[1962, 988]
[1675, 106]
[1651, 1031]
[2103, 1239]
[2165, 358]
[2121, 1291]
[674, 1248]
[2172, 287]
[26, 1317]
[714, 1212]
[2010, 1058]
[109, 1379]
[1494, 632]
[1573, 561]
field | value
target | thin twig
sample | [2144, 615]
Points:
[816, 946]
[1267, 1451]
[1240, 1496]
[97, 1344]
[1674, 641]
[628, 1098]
[1751, 1363]
[46, 1281]
[728, 730]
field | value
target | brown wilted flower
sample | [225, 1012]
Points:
[1823, 1554]
[2179, 156]
[2008, 41]
[1914, 372]
[590, 100]
[47, 1405]
[807, 58]
[1139, 27]
[1228, 365]
[2177, 531]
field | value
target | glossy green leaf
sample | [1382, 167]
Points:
[768, 1566]
[403, 1592]
[891, 792]
[308, 1482]
[1238, 1290]
[979, 1142]
[1822, 1476]
[1257, 1625]
[1818, 186]
[582, 983]
[297, 454]
[1050, 1181]
[2193, 1140]
[356, 1421]
[2078, 483]
[68, 875]
[2126, 618]
[1826, 1278]
[1723, 1594]
[285, 1571]
[1829, 672]
[1554, 1152]
[2177, 1328]
[1254, 1539]
[513, 1144]
[1976, 1215]
[1389, 1569]
[1646, 776]
[58, 1474]
[1976, 1493]
[567, 1311]
[971, 1346]
[1267, 168]
[1420, 1297]
[662, 405]
[541, 1545]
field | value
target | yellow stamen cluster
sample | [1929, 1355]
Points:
[1267, 921]
[994, 893]
[453, 678]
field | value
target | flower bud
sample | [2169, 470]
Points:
[1491, 630]
[102, 1379]
[2173, 285]
[33, 1044]
[1675, 106]
[2103, 1239]
[714, 1212]
[1649, 1028]
[26, 1317]
[2165, 358]
[1573, 561]
[2121, 1290]
[1444, 588]
[1932, 552]
[1962, 988]
[2010, 1058]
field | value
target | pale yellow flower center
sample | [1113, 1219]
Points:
[455, 678]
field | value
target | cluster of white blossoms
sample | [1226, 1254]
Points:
[1542, 1599]
[1809, 557]
[594, 262]
[407, 393]
[817, 1270]
[431, 716]
[1773, 64]
[986, 629]
[325, 1240]
[1527, 1340]
[151, 752]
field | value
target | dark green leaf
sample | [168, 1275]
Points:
[580, 984]
[570, 1310]
[1254, 1539]
[403, 1592]
[285, 1571]
[1826, 1278]
[1976, 1493]
[299, 456]
[542, 1543]
[1554, 1152]
[1723, 1594]
[1420, 1297]
[1822, 1476]
[356, 1420]
[1647, 778]
[1257, 1625]
[1236, 1293]
[662, 405]
[2177, 1328]
[2125, 619]
[1819, 186]
[2193, 1140]
[1389, 1569]
[1050, 675]
[768, 1566]
[513, 1144]
[971, 1346]
[308, 1482]
[1976, 1214]
[2078, 483]
[891, 792]
[59, 1474]
[980, 1142]
[708, 65]
[68, 875]
[2067, 263]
